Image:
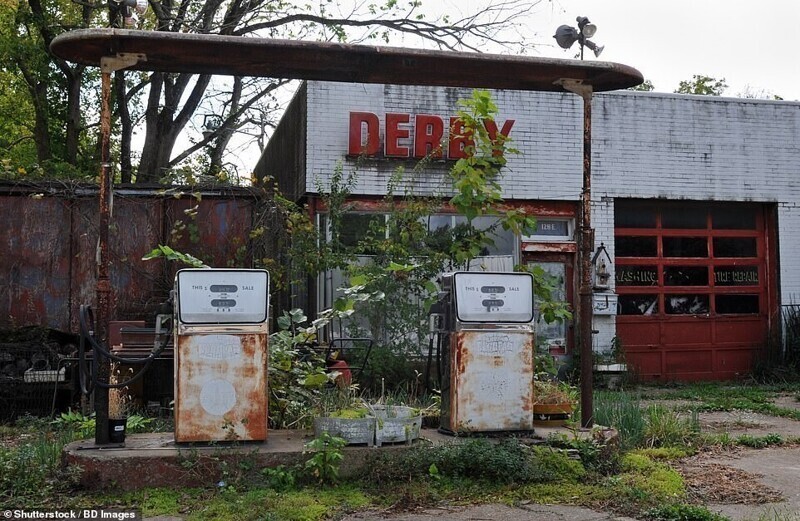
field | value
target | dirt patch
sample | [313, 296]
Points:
[744, 422]
[708, 482]
[788, 401]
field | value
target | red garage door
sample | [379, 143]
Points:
[694, 285]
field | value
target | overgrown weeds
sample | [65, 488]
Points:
[505, 461]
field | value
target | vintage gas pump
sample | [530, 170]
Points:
[488, 357]
[221, 355]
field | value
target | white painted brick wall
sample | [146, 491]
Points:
[645, 145]
[603, 224]
[550, 137]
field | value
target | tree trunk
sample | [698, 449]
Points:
[126, 127]
[74, 123]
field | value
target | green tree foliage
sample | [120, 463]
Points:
[702, 85]
[645, 86]
[57, 100]
[41, 104]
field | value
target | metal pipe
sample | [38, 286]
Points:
[586, 247]
[103, 281]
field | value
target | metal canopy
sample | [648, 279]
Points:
[241, 56]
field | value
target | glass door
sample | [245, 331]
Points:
[553, 338]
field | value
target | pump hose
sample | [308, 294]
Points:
[86, 319]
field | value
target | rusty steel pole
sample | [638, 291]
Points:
[103, 282]
[586, 247]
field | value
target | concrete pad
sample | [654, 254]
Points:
[155, 460]
[775, 467]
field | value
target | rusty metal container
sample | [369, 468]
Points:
[221, 354]
[488, 358]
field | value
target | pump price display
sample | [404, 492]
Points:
[494, 297]
[220, 296]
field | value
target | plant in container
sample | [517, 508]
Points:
[395, 423]
[553, 402]
[119, 407]
[343, 414]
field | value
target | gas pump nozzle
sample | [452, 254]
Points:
[163, 329]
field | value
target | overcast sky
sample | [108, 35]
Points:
[752, 44]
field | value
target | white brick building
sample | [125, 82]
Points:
[695, 198]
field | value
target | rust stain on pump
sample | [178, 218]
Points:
[221, 387]
[492, 387]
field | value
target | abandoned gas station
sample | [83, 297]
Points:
[693, 200]
[680, 252]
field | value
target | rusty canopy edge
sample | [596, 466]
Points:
[305, 60]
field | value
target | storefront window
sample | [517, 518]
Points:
[685, 276]
[503, 241]
[686, 304]
[355, 228]
[735, 247]
[685, 247]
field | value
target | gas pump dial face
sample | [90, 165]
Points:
[494, 297]
[217, 296]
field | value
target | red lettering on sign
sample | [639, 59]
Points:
[357, 145]
[491, 129]
[459, 140]
[428, 133]
[394, 133]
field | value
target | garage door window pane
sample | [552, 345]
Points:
[685, 276]
[685, 247]
[636, 246]
[735, 247]
[684, 217]
[634, 216]
[637, 276]
[733, 218]
[736, 304]
[638, 304]
[736, 275]
[686, 304]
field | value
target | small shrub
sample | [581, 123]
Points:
[326, 456]
[21, 475]
[507, 461]
[595, 452]
[649, 481]
[666, 428]
[722, 440]
[760, 442]
[663, 453]
[682, 512]
[279, 478]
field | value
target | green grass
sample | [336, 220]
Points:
[623, 411]
[639, 482]
[725, 396]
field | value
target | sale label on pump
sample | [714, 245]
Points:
[494, 297]
[222, 296]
